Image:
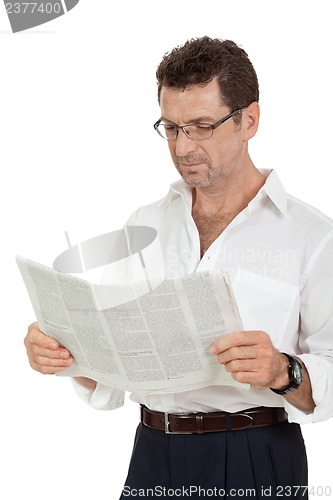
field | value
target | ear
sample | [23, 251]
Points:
[250, 121]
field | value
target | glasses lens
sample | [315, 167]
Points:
[168, 132]
[198, 131]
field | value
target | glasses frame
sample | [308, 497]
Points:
[183, 127]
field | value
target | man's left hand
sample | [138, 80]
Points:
[251, 358]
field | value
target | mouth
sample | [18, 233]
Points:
[189, 165]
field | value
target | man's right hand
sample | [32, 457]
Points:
[44, 353]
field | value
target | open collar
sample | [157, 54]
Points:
[272, 188]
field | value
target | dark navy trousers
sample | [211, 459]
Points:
[262, 463]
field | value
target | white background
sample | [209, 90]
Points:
[78, 153]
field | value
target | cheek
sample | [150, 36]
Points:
[225, 152]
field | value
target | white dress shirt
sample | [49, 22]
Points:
[278, 252]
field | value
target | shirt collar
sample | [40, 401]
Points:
[181, 188]
[272, 188]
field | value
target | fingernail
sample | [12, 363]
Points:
[53, 345]
[212, 349]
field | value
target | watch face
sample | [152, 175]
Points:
[296, 372]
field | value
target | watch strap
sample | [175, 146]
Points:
[293, 382]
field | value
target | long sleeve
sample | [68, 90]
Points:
[102, 398]
[316, 332]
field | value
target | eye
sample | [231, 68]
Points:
[202, 126]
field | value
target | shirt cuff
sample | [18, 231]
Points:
[101, 398]
[321, 376]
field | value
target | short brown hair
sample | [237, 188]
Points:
[200, 60]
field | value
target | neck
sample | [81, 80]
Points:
[232, 195]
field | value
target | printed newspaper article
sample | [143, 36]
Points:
[143, 336]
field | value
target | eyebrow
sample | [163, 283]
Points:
[201, 119]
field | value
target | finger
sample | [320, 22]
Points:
[257, 379]
[228, 341]
[250, 378]
[50, 367]
[237, 353]
[49, 364]
[36, 352]
[36, 336]
[53, 362]
[241, 365]
[236, 339]
[39, 357]
[38, 343]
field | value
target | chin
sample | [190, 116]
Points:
[197, 182]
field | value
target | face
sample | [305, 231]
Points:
[207, 163]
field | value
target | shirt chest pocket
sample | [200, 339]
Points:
[266, 304]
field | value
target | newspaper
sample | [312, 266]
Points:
[140, 337]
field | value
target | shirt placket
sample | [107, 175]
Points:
[208, 261]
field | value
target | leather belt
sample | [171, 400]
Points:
[200, 423]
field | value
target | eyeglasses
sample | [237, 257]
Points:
[194, 131]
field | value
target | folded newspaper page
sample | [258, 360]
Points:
[147, 337]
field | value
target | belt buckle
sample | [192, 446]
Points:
[166, 423]
[167, 426]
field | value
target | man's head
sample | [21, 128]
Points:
[200, 86]
[201, 60]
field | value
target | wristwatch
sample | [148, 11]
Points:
[295, 373]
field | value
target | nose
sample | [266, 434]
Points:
[184, 145]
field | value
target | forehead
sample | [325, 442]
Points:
[197, 99]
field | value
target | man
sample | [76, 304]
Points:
[226, 214]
